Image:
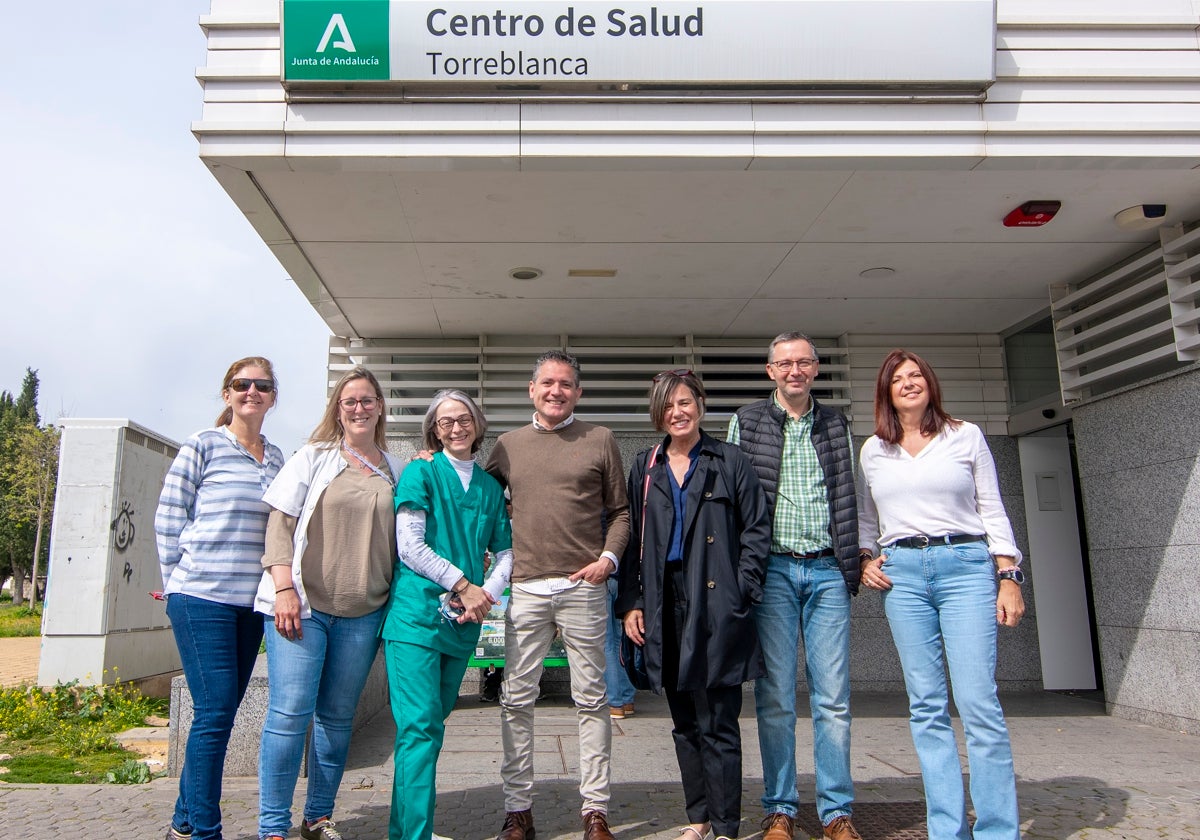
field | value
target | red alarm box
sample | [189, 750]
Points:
[1032, 214]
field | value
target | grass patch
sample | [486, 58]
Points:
[19, 621]
[65, 734]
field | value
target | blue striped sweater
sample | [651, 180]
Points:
[211, 521]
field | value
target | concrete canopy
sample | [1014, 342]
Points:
[402, 218]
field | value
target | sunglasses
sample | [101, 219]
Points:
[676, 372]
[264, 386]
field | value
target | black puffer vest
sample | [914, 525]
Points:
[760, 426]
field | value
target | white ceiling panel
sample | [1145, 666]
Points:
[963, 270]
[702, 251]
[836, 316]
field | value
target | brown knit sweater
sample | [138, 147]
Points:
[560, 482]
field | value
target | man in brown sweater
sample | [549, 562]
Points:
[565, 479]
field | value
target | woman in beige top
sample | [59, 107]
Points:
[331, 548]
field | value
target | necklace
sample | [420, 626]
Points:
[362, 459]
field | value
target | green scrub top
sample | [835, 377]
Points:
[460, 525]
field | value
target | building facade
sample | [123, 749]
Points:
[1011, 189]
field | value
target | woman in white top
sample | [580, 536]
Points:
[929, 499]
[329, 559]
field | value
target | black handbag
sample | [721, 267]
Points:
[633, 657]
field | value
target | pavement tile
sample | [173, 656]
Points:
[1081, 776]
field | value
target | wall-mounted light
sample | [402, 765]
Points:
[1141, 217]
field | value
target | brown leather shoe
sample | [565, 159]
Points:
[595, 826]
[778, 826]
[842, 829]
[518, 825]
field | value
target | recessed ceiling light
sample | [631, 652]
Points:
[525, 273]
[591, 272]
[878, 271]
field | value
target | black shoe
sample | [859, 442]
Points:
[492, 678]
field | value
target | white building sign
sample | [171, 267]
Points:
[830, 43]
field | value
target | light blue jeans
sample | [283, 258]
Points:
[808, 597]
[317, 678]
[620, 689]
[945, 595]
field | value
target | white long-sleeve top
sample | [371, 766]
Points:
[417, 555]
[950, 487]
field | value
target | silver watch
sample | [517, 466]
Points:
[1012, 573]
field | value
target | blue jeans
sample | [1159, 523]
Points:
[945, 595]
[806, 597]
[321, 674]
[620, 689]
[218, 644]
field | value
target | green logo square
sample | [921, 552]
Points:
[335, 40]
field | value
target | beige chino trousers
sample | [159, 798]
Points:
[581, 614]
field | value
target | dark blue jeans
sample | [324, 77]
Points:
[218, 644]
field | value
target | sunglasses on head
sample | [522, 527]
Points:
[264, 386]
[676, 372]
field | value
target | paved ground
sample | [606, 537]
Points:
[1081, 774]
[19, 660]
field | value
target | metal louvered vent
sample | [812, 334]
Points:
[616, 374]
[1135, 320]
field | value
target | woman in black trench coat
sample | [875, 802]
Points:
[686, 589]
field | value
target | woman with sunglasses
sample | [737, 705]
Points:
[695, 563]
[331, 548]
[449, 514]
[210, 526]
[929, 498]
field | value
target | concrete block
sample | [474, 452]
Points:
[241, 759]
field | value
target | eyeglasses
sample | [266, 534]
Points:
[264, 386]
[658, 377]
[447, 423]
[786, 365]
[366, 402]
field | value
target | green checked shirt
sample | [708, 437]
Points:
[802, 505]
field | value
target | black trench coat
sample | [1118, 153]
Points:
[726, 540]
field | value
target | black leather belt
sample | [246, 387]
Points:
[810, 555]
[924, 541]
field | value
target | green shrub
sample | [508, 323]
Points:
[44, 727]
[129, 772]
[79, 738]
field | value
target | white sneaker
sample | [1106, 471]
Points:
[437, 836]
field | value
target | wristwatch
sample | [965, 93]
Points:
[1011, 573]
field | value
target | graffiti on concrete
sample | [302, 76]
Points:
[122, 527]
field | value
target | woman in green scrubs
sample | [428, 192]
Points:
[449, 514]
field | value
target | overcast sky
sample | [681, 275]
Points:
[131, 280]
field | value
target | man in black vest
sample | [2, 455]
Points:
[803, 455]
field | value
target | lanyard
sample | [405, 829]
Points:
[362, 459]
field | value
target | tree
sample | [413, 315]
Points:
[22, 458]
[26, 403]
[32, 476]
